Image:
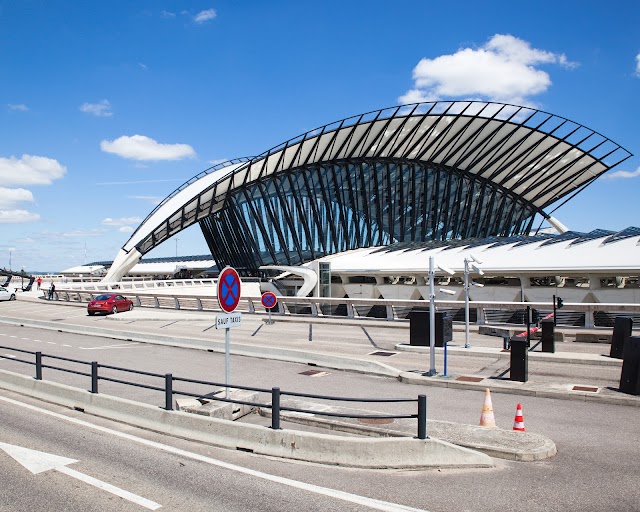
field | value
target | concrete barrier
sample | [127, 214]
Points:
[408, 453]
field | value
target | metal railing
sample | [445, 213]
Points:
[276, 393]
[484, 312]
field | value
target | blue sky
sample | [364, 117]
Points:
[107, 107]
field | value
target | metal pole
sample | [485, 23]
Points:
[528, 326]
[168, 392]
[466, 303]
[554, 310]
[445, 359]
[432, 322]
[422, 416]
[226, 361]
[38, 365]
[275, 408]
[94, 376]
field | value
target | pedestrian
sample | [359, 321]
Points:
[52, 290]
[39, 281]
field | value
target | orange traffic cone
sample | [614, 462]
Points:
[486, 418]
[518, 423]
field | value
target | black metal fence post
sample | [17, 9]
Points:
[168, 392]
[38, 365]
[422, 416]
[275, 408]
[94, 376]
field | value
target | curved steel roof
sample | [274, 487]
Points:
[540, 157]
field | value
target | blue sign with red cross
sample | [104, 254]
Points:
[269, 300]
[229, 289]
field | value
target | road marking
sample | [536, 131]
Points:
[51, 342]
[12, 336]
[67, 345]
[324, 491]
[39, 462]
[9, 355]
[27, 339]
[120, 345]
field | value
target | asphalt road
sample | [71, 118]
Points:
[595, 469]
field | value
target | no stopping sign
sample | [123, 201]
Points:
[229, 289]
[269, 300]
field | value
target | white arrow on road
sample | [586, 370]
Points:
[38, 462]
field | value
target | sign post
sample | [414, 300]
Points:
[229, 287]
[269, 300]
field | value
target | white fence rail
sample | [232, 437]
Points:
[486, 312]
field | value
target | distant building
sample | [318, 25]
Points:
[419, 177]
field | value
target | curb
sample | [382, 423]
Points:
[371, 453]
[544, 357]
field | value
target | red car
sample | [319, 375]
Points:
[109, 303]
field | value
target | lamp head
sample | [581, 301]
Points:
[447, 292]
[445, 269]
[475, 258]
[477, 269]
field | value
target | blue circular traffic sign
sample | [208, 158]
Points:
[229, 289]
[269, 300]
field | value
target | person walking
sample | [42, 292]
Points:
[52, 290]
[39, 282]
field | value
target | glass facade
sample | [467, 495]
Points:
[298, 215]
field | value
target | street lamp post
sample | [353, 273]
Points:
[177, 247]
[432, 315]
[432, 322]
[467, 285]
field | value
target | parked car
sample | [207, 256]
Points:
[109, 303]
[6, 294]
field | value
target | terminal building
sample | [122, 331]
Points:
[355, 208]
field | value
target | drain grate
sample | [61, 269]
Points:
[584, 388]
[314, 373]
[382, 353]
[466, 378]
[375, 421]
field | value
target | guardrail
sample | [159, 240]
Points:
[481, 312]
[169, 392]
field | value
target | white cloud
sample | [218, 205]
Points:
[30, 170]
[139, 147]
[17, 216]
[622, 175]
[504, 69]
[154, 200]
[9, 197]
[137, 182]
[126, 229]
[77, 233]
[638, 64]
[122, 221]
[218, 161]
[18, 106]
[100, 109]
[203, 16]
[167, 14]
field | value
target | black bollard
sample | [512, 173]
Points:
[519, 359]
[630, 374]
[621, 332]
[548, 333]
